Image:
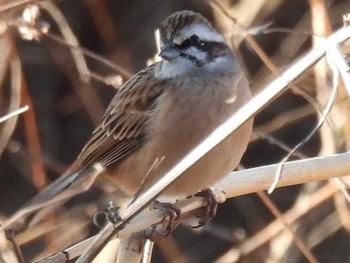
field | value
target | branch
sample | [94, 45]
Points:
[236, 184]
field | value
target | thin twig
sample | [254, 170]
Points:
[285, 119]
[14, 113]
[292, 215]
[260, 52]
[16, 3]
[325, 228]
[10, 237]
[272, 140]
[298, 241]
[112, 65]
[40, 200]
[69, 36]
[33, 141]
[147, 251]
[322, 119]
[85, 91]
[126, 74]
[15, 99]
[338, 59]
[342, 209]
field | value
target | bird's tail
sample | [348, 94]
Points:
[53, 195]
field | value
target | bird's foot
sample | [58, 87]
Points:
[160, 230]
[210, 210]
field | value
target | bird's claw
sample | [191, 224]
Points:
[211, 208]
[159, 230]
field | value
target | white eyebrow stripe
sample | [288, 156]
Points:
[203, 32]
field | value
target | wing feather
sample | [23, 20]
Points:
[124, 125]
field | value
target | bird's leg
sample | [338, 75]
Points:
[212, 205]
[160, 230]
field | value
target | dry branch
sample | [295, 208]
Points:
[236, 184]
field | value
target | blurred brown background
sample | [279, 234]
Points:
[65, 109]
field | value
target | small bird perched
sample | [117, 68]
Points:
[168, 108]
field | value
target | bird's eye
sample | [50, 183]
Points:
[195, 41]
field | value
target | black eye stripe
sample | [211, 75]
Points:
[212, 49]
[185, 44]
[193, 41]
[204, 46]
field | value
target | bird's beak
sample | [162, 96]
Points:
[169, 51]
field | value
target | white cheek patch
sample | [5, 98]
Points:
[173, 69]
[203, 32]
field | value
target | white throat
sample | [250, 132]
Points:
[166, 69]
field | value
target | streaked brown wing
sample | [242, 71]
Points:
[123, 128]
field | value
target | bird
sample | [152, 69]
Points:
[168, 108]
